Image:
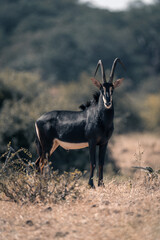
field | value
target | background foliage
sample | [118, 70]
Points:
[63, 38]
[48, 52]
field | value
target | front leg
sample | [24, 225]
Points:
[102, 152]
[92, 152]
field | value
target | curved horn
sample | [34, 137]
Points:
[113, 69]
[102, 71]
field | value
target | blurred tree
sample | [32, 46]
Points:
[151, 112]
[61, 39]
[21, 101]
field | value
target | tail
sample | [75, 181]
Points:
[39, 149]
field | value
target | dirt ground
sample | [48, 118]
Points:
[136, 150]
[126, 208]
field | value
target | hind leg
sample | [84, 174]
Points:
[46, 155]
[43, 161]
[45, 166]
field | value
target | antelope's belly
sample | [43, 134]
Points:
[67, 145]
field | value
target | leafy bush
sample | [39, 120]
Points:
[24, 97]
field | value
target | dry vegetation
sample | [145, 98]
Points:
[63, 207]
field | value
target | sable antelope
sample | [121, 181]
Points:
[91, 126]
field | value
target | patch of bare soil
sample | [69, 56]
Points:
[136, 150]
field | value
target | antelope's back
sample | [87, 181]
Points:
[68, 126]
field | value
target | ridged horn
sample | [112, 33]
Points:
[102, 71]
[113, 69]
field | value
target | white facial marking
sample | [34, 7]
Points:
[105, 103]
[104, 100]
[110, 90]
[108, 106]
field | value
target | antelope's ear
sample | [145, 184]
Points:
[96, 83]
[118, 82]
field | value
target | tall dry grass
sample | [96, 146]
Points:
[20, 182]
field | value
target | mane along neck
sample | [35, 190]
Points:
[92, 102]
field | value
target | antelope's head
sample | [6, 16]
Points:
[107, 88]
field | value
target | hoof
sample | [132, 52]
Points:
[91, 184]
[101, 183]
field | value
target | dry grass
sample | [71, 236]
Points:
[126, 208]
[24, 187]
